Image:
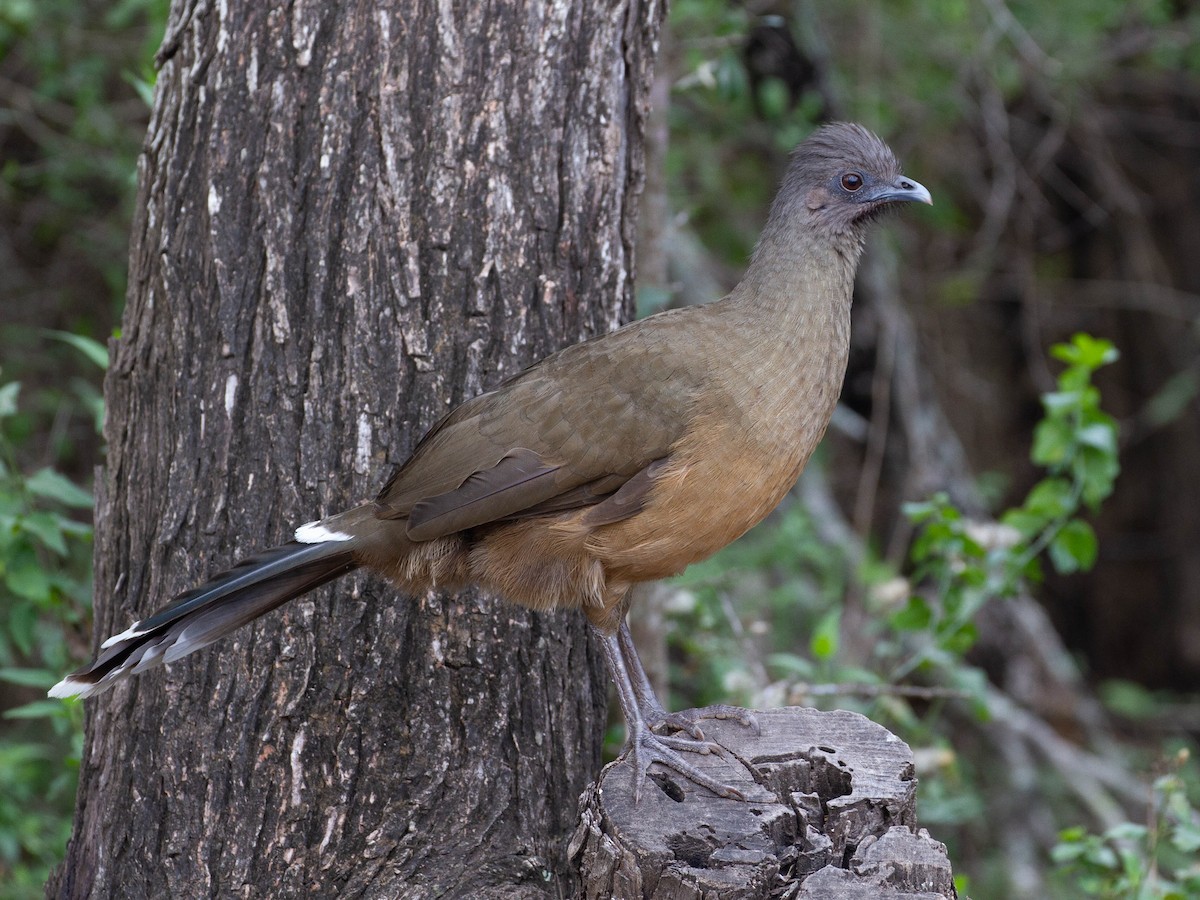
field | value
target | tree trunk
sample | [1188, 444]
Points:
[349, 220]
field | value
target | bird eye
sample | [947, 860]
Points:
[852, 181]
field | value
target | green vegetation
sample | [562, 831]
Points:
[74, 94]
[1156, 860]
[74, 100]
[967, 564]
[45, 595]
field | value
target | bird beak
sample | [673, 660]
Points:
[902, 189]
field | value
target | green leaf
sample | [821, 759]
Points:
[1086, 351]
[1033, 570]
[859, 675]
[55, 486]
[916, 616]
[774, 98]
[918, 510]
[1076, 379]
[973, 576]
[975, 683]
[1074, 548]
[1108, 353]
[1096, 473]
[1128, 699]
[47, 529]
[938, 507]
[1100, 435]
[1061, 401]
[1067, 353]
[8, 398]
[1067, 852]
[791, 664]
[1126, 831]
[731, 77]
[1102, 855]
[34, 678]
[1051, 497]
[1186, 837]
[1052, 441]
[26, 578]
[93, 350]
[1027, 522]
[36, 710]
[961, 639]
[825, 638]
[144, 88]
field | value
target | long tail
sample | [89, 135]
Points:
[197, 618]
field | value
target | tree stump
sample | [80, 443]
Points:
[830, 813]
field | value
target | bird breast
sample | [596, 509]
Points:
[741, 453]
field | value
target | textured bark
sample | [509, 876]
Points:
[830, 813]
[350, 218]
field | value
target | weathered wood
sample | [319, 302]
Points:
[350, 216]
[830, 813]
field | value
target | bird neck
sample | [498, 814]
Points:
[793, 308]
[800, 287]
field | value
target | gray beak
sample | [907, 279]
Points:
[904, 188]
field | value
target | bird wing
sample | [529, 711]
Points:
[566, 433]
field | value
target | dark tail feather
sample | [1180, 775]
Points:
[197, 618]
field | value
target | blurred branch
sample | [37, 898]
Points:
[797, 691]
[1100, 784]
[1022, 39]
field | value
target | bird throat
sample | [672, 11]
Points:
[794, 304]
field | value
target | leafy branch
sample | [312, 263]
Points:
[965, 563]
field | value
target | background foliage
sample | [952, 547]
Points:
[73, 110]
[957, 564]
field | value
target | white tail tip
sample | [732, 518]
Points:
[317, 533]
[130, 632]
[72, 687]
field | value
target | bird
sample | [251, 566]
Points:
[615, 461]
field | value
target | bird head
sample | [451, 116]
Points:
[840, 179]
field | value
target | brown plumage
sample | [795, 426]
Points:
[615, 461]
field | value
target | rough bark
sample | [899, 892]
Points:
[350, 217]
[830, 813]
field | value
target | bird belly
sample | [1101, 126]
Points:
[716, 487]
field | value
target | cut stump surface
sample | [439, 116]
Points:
[830, 813]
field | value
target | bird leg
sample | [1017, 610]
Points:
[655, 714]
[644, 746]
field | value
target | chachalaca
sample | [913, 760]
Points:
[617, 460]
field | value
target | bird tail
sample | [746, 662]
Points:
[197, 618]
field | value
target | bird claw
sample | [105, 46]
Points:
[647, 748]
[688, 745]
[677, 721]
[688, 720]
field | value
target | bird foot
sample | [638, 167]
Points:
[688, 720]
[647, 748]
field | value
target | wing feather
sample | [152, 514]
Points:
[521, 479]
[565, 434]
